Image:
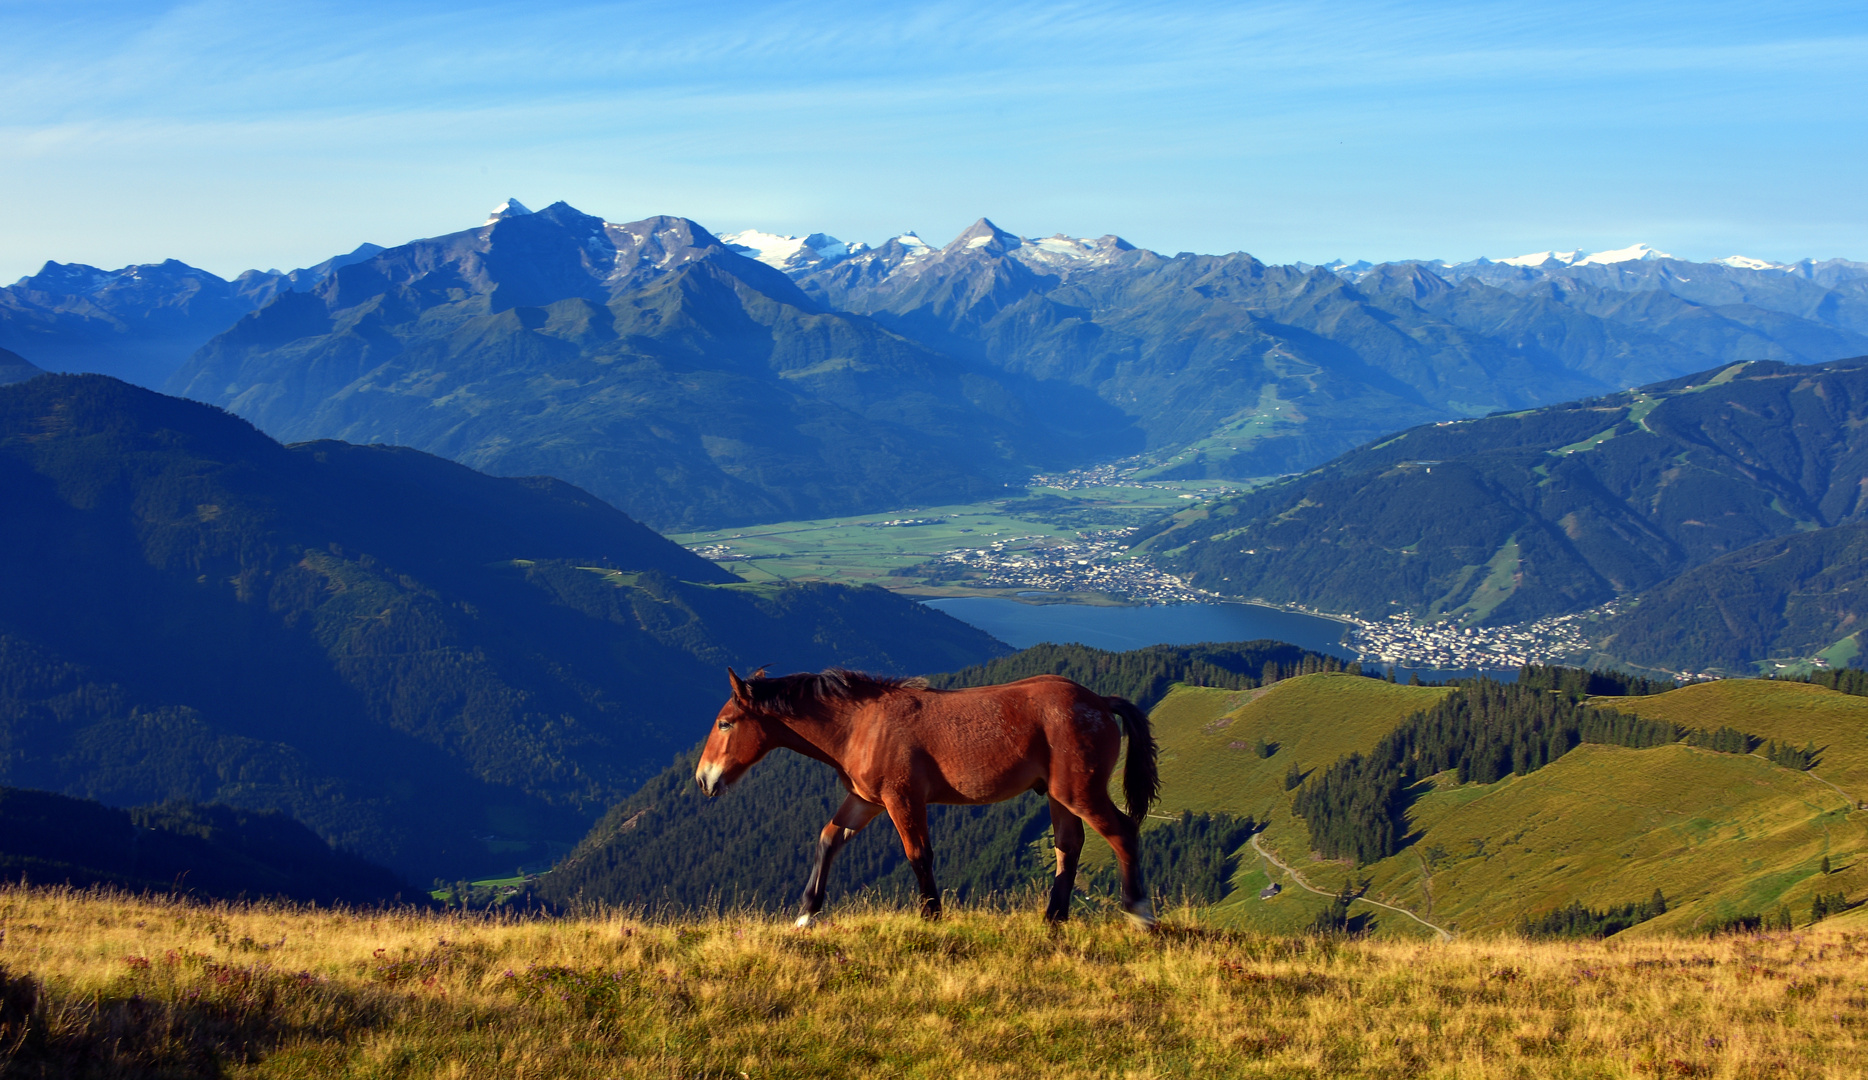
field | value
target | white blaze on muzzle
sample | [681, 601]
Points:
[708, 777]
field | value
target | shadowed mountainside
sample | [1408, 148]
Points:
[444, 671]
[216, 852]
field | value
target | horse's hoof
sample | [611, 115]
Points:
[803, 923]
[1142, 915]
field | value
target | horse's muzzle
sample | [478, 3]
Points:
[708, 777]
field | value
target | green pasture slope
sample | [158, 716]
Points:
[1719, 834]
[1210, 763]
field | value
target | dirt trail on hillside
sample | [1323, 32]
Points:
[1445, 935]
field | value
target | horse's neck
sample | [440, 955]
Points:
[821, 736]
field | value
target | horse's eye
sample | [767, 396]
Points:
[725, 726]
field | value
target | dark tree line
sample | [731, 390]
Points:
[1188, 860]
[1145, 676]
[1578, 921]
[1789, 756]
[1599, 683]
[1823, 905]
[1725, 740]
[1844, 680]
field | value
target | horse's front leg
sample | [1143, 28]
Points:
[847, 822]
[1067, 835]
[911, 821]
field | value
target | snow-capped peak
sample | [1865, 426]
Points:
[790, 252]
[509, 208]
[1632, 253]
[1742, 262]
[1539, 258]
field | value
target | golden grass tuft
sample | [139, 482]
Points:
[109, 985]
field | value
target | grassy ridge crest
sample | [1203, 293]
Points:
[113, 985]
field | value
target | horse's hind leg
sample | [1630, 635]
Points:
[847, 822]
[1125, 838]
[911, 821]
[1067, 834]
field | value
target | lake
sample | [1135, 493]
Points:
[1121, 628]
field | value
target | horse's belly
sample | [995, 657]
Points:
[987, 781]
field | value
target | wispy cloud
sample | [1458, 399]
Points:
[1185, 120]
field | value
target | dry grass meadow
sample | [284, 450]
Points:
[109, 985]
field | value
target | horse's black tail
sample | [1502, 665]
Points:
[1141, 781]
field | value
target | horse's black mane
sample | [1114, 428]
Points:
[788, 695]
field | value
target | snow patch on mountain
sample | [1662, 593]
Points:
[1632, 253]
[791, 252]
[509, 208]
[1743, 262]
[1539, 258]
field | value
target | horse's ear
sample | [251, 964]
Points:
[741, 691]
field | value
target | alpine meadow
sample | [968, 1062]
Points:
[1357, 567]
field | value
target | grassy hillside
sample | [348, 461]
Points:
[1786, 711]
[1208, 737]
[1209, 762]
[1719, 834]
[112, 986]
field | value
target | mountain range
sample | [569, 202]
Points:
[141, 322]
[1233, 367]
[442, 671]
[701, 381]
[646, 362]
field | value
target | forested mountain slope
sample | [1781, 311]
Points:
[1517, 516]
[645, 362]
[1784, 599]
[427, 665]
[16, 368]
[205, 851]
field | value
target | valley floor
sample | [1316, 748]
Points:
[115, 986]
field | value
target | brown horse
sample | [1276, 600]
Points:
[898, 746]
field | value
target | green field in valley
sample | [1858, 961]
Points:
[864, 549]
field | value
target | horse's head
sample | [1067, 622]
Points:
[741, 736]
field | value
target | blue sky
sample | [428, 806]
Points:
[232, 135]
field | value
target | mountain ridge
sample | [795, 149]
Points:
[1517, 516]
[645, 361]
